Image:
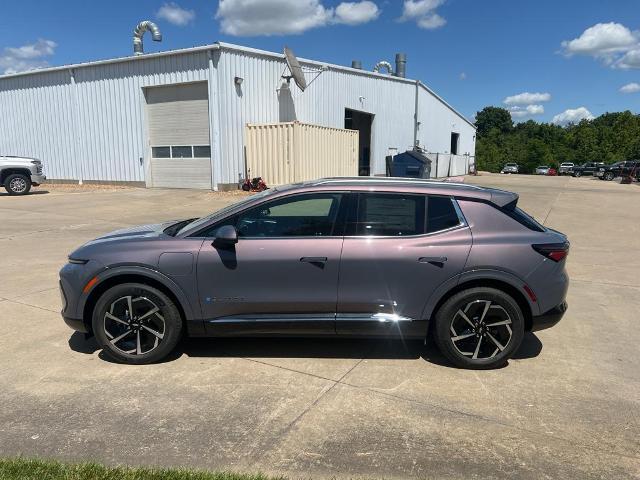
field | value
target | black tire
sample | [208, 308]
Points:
[17, 184]
[136, 347]
[449, 324]
[608, 176]
[577, 174]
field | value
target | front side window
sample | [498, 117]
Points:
[312, 215]
[392, 215]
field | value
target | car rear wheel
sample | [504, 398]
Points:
[608, 176]
[577, 174]
[17, 184]
[136, 323]
[479, 328]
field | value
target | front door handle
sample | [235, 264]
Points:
[432, 259]
[314, 259]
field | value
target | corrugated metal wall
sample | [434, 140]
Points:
[437, 122]
[260, 99]
[89, 122]
[283, 153]
[95, 129]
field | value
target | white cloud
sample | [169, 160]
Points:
[463, 76]
[27, 57]
[572, 116]
[631, 59]
[355, 13]
[423, 12]
[528, 111]
[289, 17]
[527, 98]
[613, 43]
[630, 88]
[173, 13]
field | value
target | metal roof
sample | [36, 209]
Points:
[238, 48]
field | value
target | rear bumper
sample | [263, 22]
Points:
[549, 318]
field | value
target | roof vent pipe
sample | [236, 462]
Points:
[383, 64]
[138, 33]
[401, 65]
[356, 64]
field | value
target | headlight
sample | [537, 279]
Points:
[36, 162]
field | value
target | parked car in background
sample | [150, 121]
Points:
[565, 168]
[510, 168]
[345, 257]
[588, 168]
[552, 172]
[542, 170]
[619, 169]
[19, 174]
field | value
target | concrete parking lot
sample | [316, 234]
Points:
[567, 407]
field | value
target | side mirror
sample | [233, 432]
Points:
[226, 236]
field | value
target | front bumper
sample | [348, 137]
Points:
[37, 179]
[598, 173]
[549, 318]
[76, 324]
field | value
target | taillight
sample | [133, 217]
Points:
[553, 251]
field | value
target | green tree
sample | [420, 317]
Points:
[493, 117]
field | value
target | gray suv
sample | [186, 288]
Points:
[18, 174]
[333, 257]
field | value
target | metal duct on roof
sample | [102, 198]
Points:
[139, 32]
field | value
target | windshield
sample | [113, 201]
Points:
[201, 221]
[511, 165]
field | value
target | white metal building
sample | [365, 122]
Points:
[177, 118]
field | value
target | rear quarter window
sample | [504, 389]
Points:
[441, 214]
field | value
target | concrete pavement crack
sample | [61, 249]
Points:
[33, 306]
[474, 416]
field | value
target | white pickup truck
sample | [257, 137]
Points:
[18, 174]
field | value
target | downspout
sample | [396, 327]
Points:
[416, 122]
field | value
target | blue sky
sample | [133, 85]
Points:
[577, 54]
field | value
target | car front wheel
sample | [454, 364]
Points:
[577, 174]
[608, 176]
[136, 323]
[479, 328]
[17, 184]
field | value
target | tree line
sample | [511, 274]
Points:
[609, 138]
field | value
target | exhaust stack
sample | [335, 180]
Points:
[401, 65]
[139, 32]
[356, 64]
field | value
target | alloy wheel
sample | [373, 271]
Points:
[134, 325]
[18, 185]
[481, 330]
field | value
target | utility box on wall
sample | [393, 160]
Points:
[291, 152]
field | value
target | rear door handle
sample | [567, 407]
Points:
[432, 259]
[314, 259]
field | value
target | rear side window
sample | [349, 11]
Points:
[390, 215]
[522, 217]
[441, 214]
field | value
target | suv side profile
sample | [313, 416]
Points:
[18, 174]
[588, 168]
[334, 257]
[619, 169]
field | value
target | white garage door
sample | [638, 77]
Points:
[178, 125]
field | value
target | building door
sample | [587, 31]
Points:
[178, 128]
[455, 140]
[361, 121]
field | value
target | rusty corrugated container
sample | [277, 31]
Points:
[290, 152]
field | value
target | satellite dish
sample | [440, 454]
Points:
[295, 69]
